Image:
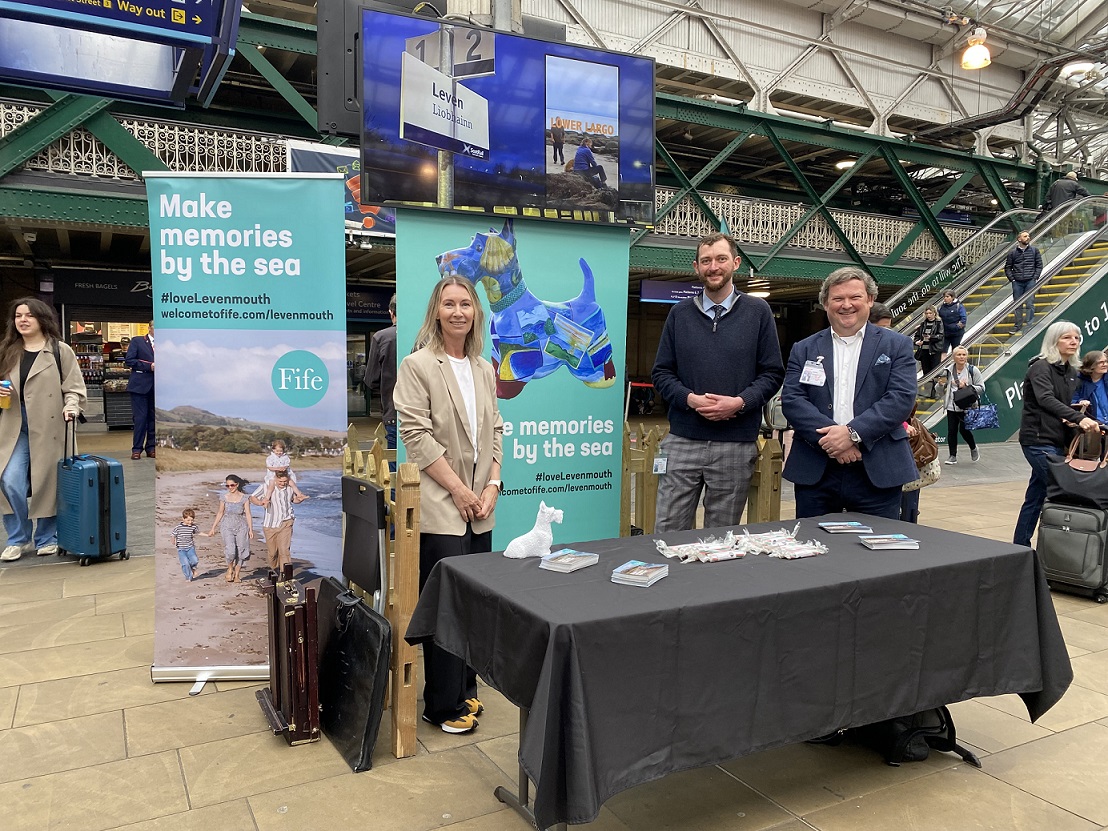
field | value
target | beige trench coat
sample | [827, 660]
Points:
[46, 396]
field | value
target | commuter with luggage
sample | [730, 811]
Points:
[964, 388]
[45, 390]
[1048, 390]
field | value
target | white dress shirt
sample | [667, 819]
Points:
[847, 351]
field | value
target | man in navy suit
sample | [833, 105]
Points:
[848, 391]
[140, 358]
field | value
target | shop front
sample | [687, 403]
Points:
[100, 312]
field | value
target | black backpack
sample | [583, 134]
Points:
[907, 738]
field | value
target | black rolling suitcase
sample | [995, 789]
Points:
[291, 701]
[355, 644]
[1071, 549]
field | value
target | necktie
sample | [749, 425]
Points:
[717, 313]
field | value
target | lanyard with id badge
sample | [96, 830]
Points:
[814, 373]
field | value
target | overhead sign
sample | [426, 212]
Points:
[180, 19]
[473, 51]
[144, 50]
[438, 111]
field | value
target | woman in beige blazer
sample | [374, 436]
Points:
[450, 424]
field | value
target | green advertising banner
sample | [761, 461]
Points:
[555, 301]
[249, 282]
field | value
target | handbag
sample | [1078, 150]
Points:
[924, 447]
[1077, 481]
[928, 475]
[983, 416]
[965, 397]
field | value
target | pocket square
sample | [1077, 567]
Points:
[882, 359]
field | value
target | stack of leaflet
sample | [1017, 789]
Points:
[568, 560]
[889, 541]
[638, 573]
[846, 528]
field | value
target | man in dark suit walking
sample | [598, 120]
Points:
[380, 373]
[140, 359]
[848, 391]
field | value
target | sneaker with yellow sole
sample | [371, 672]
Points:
[461, 724]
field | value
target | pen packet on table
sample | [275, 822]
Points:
[846, 528]
[567, 560]
[638, 573]
[892, 541]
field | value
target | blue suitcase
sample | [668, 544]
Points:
[92, 511]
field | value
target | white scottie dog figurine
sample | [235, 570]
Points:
[537, 541]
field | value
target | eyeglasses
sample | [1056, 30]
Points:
[232, 484]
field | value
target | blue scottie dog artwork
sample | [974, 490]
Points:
[531, 338]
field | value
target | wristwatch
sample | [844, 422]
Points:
[854, 437]
[499, 485]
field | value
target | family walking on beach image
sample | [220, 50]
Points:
[212, 525]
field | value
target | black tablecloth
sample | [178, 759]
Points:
[626, 684]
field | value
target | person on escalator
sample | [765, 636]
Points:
[953, 315]
[929, 343]
[1022, 268]
[1064, 190]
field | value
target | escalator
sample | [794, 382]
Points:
[980, 250]
[1074, 247]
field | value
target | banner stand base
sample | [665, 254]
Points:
[201, 675]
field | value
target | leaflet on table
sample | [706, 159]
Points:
[638, 573]
[781, 544]
[889, 541]
[567, 560]
[845, 528]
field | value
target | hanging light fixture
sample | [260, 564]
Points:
[977, 54]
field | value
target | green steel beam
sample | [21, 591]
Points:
[695, 182]
[68, 206]
[678, 260]
[274, 33]
[676, 170]
[116, 138]
[918, 202]
[256, 59]
[45, 128]
[814, 197]
[996, 187]
[824, 199]
[727, 117]
[939, 205]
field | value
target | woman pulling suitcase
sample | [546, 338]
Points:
[44, 390]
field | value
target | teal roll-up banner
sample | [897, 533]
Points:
[555, 302]
[249, 282]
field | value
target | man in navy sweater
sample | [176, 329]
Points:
[719, 362]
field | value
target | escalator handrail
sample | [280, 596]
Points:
[956, 252]
[984, 270]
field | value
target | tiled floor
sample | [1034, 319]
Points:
[88, 743]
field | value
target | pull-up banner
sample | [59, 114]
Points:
[249, 282]
[555, 331]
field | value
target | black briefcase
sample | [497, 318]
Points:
[291, 701]
[363, 544]
[355, 645]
